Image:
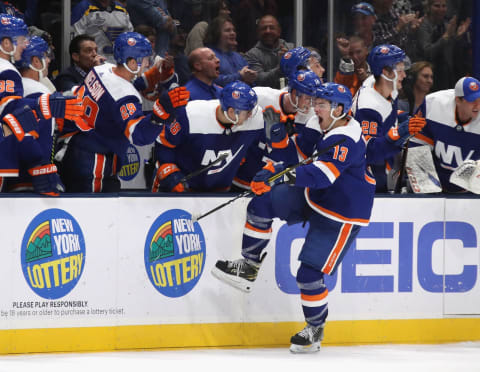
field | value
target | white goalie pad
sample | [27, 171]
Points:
[421, 171]
[467, 176]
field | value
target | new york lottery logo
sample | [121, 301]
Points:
[53, 253]
[132, 166]
[174, 253]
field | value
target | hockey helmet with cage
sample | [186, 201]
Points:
[385, 55]
[336, 94]
[37, 47]
[295, 59]
[131, 45]
[12, 27]
[238, 95]
[304, 82]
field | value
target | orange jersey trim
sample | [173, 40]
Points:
[337, 250]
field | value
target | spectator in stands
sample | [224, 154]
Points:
[353, 68]
[222, 39]
[104, 20]
[416, 86]
[246, 15]
[155, 14]
[205, 67]
[176, 50]
[436, 40]
[6, 7]
[392, 28]
[149, 32]
[315, 62]
[197, 34]
[363, 20]
[265, 56]
[83, 54]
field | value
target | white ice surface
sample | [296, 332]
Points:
[458, 357]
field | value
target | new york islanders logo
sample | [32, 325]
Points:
[53, 254]
[174, 253]
[341, 89]
[235, 94]
[5, 21]
[300, 77]
[384, 50]
[473, 86]
[131, 41]
[287, 55]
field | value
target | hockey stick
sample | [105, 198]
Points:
[403, 161]
[270, 180]
[204, 168]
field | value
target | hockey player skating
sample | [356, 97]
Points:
[453, 134]
[19, 147]
[375, 108]
[204, 131]
[334, 194]
[113, 112]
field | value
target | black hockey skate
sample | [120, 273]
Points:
[307, 340]
[239, 274]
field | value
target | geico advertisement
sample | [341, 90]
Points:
[107, 261]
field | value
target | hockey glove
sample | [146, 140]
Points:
[179, 96]
[406, 129]
[22, 122]
[275, 130]
[59, 106]
[45, 180]
[169, 178]
[161, 72]
[260, 184]
[159, 115]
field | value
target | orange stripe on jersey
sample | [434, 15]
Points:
[7, 99]
[250, 227]
[370, 180]
[98, 172]
[424, 138]
[318, 297]
[332, 168]
[241, 182]
[9, 172]
[163, 140]
[337, 249]
[281, 144]
[300, 152]
[130, 124]
[334, 214]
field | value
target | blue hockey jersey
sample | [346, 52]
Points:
[198, 139]
[451, 142]
[376, 115]
[113, 115]
[337, 184]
